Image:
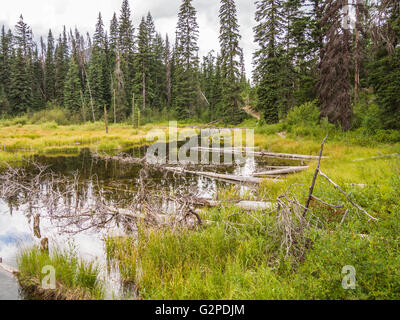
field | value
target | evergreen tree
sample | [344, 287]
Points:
[168, 71]
[384, 69]
[98, 77]
[61, 66]
[50, 77]
[23, 37]
[113, 42]
[20, 93]
[127, 48]
[268, 58]
[230, 54]
[5, 60]
[186, 64]
[37, 76]
[73, 88]
[158, 73]
[143, 61]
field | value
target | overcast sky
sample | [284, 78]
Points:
[44, 14]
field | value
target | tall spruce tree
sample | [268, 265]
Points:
[268, 58]
[143, 62]
[186, 64]
[50, 76]
[5, 60]
[230, 55]
[98, 77]
[61, 61]
[126, 54]
[384, 67]
[73, 88]
[20, 92]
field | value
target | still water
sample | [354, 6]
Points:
[109, 181]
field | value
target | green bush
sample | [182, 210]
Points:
[306, 114]
[55, 114]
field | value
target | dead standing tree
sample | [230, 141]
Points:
[294, 220]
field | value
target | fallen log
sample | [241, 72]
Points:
[255, 205]
[244, 179]
[281, 171]
[394, 155]
[245, 205]
[8, 269]
[261, 153]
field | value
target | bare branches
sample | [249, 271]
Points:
[347, 197]
[76, 206]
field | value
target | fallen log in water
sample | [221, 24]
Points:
[281, 171]
[260, 154]
[229, 177]
[8, 269]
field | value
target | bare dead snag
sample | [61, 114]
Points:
[314, 179]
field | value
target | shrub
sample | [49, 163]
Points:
[57, 115]
[307, 114]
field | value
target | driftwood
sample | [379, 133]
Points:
[252, 180]
[255, 205]
[8, 269]
[394, 155]
[245, 205]
[281, 171]
[260, 154]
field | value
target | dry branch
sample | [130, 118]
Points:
[260, 154]
[287, 170]
[347, 197]
[243, 179]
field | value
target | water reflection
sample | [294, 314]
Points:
[84, 184]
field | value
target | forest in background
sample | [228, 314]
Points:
[308, 55]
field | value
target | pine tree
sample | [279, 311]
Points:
[61, 67]
[23, 37]
[158, 74]
[37, 76]
[384, 69]
[113, 42]
[73, 88]
[127, 49]
[20, 93]
[230, 54]
[50, 79]
[98, 77]
[5, 60]
[186, 64]
[168, 71]
[268, 58]
[143, 60]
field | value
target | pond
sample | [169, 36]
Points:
[99, 180]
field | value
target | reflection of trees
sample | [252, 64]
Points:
[75, 203]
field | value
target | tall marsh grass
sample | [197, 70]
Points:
[75, 278]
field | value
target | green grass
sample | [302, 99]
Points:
[236, 257]
[75, 279]
[21, 141]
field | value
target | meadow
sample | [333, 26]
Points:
[240, 254]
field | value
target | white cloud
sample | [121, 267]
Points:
[44, 14]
